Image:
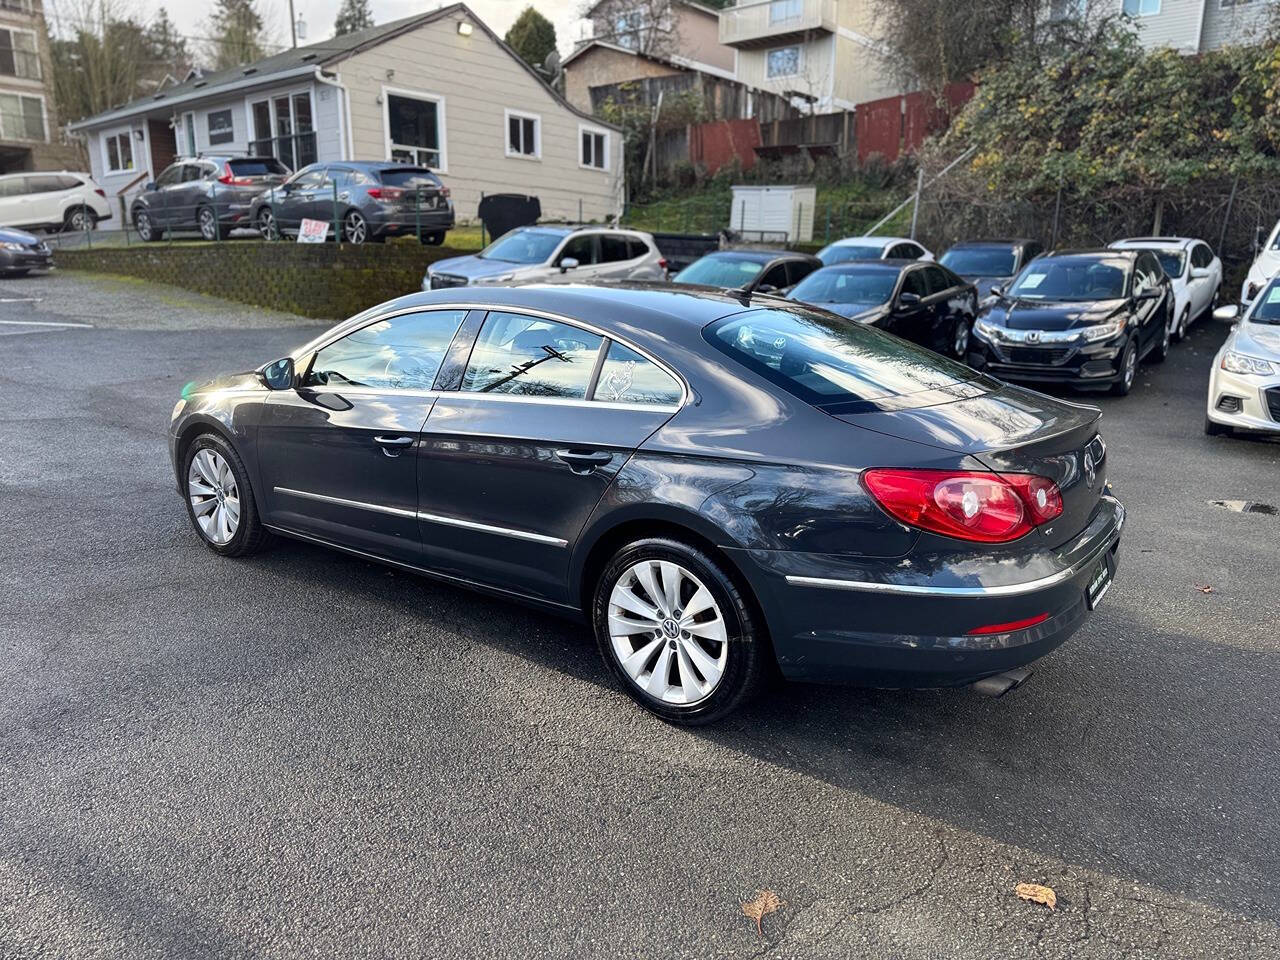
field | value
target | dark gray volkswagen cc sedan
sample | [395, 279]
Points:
[716, 482]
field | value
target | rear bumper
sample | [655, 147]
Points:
[398, 223]
[882, 623]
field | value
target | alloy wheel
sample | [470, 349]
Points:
[1183, 322]
[961, 345]
[78, 221]
[668, 632]
[143, 224]
[214, 495]
[267, 225]
[1131, 363]
[208, 225]
[354, 228]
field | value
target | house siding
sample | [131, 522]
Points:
[1237, 23]
[478, 81]
[697, 37]
[601, 66]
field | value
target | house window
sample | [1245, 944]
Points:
[782, 62]
[221, 128]
[784, 11]
[595, 149]
[1141, 8]
[415, 130]
[119, 151]
[18, 56]
[629, 29]
[524, 134]
[282, 128]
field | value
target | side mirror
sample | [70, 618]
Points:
[278, 375]
[1199, 273]
[568, 263]
[1227, 313]
[766, 288]
[908, 299]
[149, 185]
[1259, 237]
[997, 291]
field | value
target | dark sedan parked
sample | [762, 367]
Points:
[713, 482]
[20, 253]
[370, 201]
[918, 301]
[210, 194]
[990, 263]
[751, 271]
[1084, 318]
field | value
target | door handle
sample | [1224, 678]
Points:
[584, 461]
[393, 446]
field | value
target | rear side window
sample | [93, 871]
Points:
[828, 361]
[400, 353]
[627, 377]
[613, 248]
[532, 357]
[257, 167]
[636, 248]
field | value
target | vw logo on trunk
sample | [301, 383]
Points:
[1090, 471]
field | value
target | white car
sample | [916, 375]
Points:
[872, 248]
[1265, 266]
[1194, 271]
[52, 201]
[553, 252]
[1244, 383]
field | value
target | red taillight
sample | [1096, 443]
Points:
[385, 193]
[1009, 627]
[662, 264]
[981, 507]
[100, 192]
[444, 191]
[231, 180]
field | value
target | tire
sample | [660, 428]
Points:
[207, 222]
[960, 341]
[213, 475]
[1216, 429]
[267, 225]
[148, 232]
[355, 228]
[1128, 369]
[1184, 323]
[433, 239]
[1161, 350]
[78, 219]
[697, 697]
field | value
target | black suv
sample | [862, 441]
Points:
[210, 194]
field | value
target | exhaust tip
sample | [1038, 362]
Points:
[1001, 683]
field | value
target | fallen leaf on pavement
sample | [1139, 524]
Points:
[1037, 894]
[1205, 589]
[765, 903]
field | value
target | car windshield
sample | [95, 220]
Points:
[1072, 278]
[720, 270]
[828, 361]
[842, 252]
[871, 286]
[258, 167]
[1268, 306]
[400, 177]
[980, 261]
[523, 246]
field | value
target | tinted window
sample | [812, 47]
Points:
[980, 261]
[258, 167]
[531, 356]
[636, 248]
[581, 248]
[1201, 256]
[870, 286]
[171, 174]
[1030, 252]
[193, 171]
[13, 186]
[1172, 262]
[308, 179]
[1146, 272]
[720, 270]
[523, 246]
[776, 277]
[914, 282]
[627, 377]
[842, 252]
[937, 280]
[408, 177]
[44, 183]
[401, 353]
[797, 270]
[829, 361]
[613, 248]
[66, 182]
[1072, 278]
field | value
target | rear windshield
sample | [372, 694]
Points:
[980, 261]
[400, 177]
[720, 270]
[830, 362]
[871, 286]
[839, 253]
[258, 167]
[1072, 278]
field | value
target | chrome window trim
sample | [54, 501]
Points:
[341, 331]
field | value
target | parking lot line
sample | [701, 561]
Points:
[41, 323]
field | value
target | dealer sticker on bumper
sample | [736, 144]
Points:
[1099, 583]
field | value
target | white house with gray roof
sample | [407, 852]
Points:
[439, 89]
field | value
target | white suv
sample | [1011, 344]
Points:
[1194, 271]
[52, 201]
[547, 252]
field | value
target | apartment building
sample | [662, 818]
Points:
[29, 138]
[822, 53]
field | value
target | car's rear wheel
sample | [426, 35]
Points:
[433, 239]
[79, 219]
[1161, 350]
[267, 225]
[1184, 322]
[1128, 369]
[147, 231]
[207, 221]
[220, 499]
[677, 632]
[355, 228]
[960, 345]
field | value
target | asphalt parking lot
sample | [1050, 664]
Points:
[304, 754]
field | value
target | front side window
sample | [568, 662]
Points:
[628, 377]
[829, 362]
[594, 150]
[170, 175]
[523, 246]
[581, 248]
[782, 62]
[532, 357]
[938, 280]
[414, 128]
[1173, 262]
[22, 118]
[1071, 278]
[523, 135]
[399, 353]
[914, 282]
[221, 127]
[1141, 8]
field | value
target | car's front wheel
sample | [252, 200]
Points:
[207, 221]
[220, 499]
[267, 225]
[677, 632]
[1128, 369]
[147, 231]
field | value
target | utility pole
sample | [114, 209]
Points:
[293, 25]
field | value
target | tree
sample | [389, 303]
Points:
[100, 65]
[237, 34]
[353, 15]
[645, 26]
[166, 49]
[532, 37]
